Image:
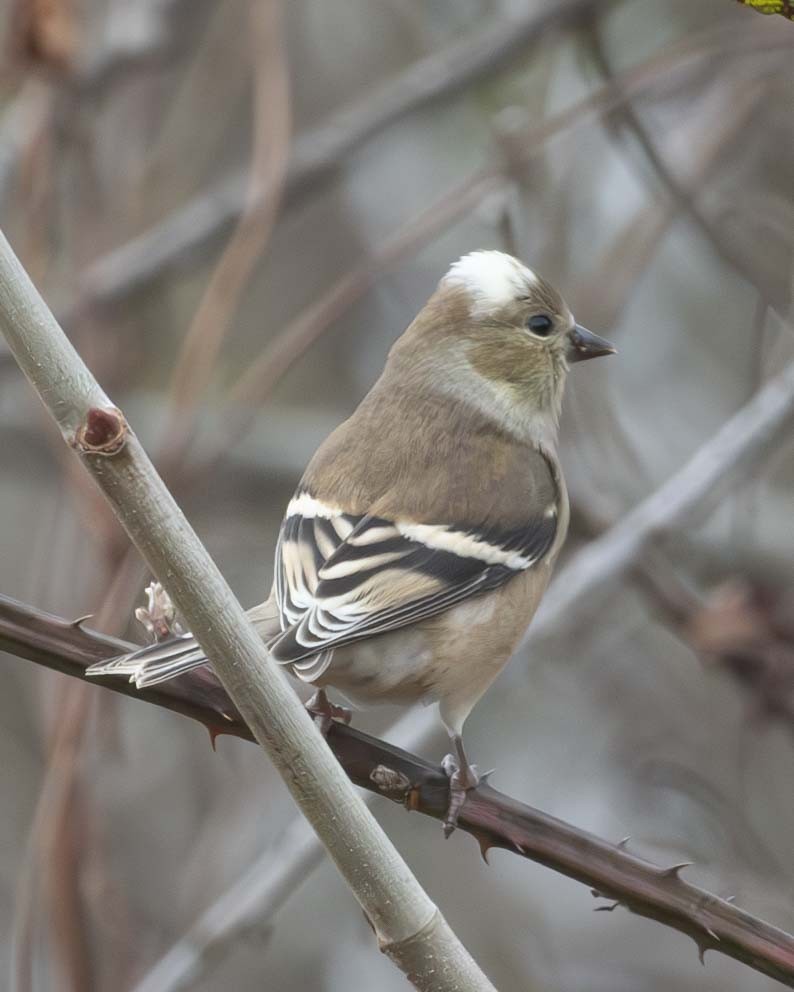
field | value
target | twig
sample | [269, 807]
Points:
[409, 927]
[493, 818]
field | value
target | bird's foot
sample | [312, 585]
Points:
[462, 777]
[324, 712]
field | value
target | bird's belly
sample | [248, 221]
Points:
[389, 668]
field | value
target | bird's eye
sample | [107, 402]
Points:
[540, 324]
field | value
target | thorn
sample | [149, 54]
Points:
[484, 776]
[81, 620]
[484, 847]
[624, 843]
[215, 733]
[702, 946]
[228, 716]
[519, 848]
[673, 870]
[596, 894]
[730, 898]
[606, 909]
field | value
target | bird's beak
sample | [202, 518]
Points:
[583, 344]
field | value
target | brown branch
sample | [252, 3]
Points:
[493, 818]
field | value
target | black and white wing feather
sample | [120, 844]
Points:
[340, 578]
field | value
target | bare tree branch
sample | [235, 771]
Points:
[493, 818]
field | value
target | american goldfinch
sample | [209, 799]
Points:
[422, 535]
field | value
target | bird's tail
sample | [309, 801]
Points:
[177, 655]
[155, 663]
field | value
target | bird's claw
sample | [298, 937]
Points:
[324, 712]
[461, 779]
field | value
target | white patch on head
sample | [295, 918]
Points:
[493, 279]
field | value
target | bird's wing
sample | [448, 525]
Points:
[340, 577]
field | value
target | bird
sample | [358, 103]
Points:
[423, 533]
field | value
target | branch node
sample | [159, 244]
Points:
[103, 432]
[390, 782]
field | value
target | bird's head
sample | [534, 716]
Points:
[503, 331]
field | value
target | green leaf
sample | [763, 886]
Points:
[784, 7]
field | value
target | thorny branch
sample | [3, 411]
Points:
[493, 818]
